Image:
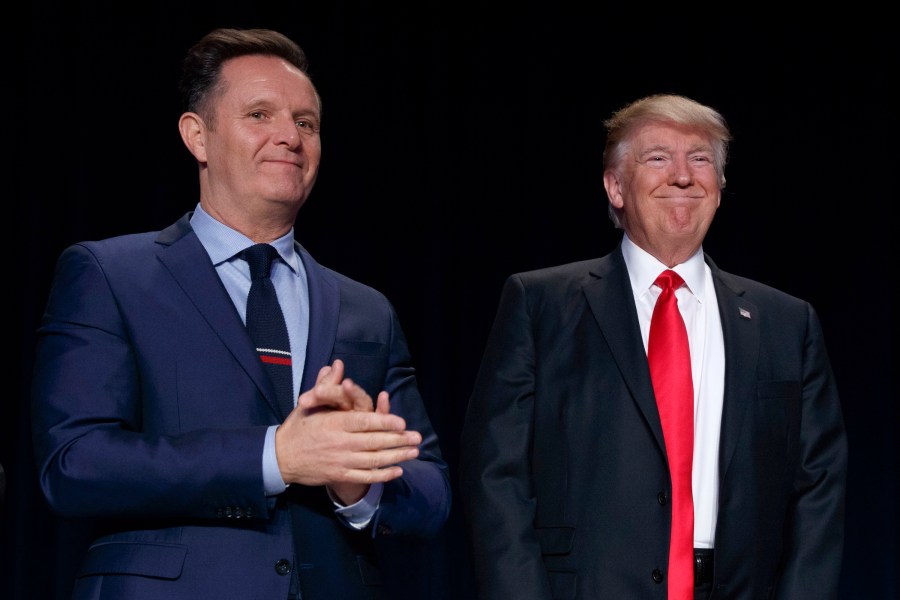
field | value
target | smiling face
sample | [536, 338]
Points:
[667, 189]
[259, 148]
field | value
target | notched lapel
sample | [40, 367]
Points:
[612, 305]
[740, 330]
[324, 308]
[183, 255]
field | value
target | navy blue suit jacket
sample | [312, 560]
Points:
[563, 469]
[150, 407]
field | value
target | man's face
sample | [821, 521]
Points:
[667, 187]
[262, 144]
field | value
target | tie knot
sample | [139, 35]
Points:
[259, 257]
[669, 279]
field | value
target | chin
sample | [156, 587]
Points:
[288, 194]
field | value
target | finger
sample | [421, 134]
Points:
[337, 370]
[371, 476]
[355, 422]
[383, 405]
[327, 391]
[381, 459]
[323, 373]
[346, 396]
[327, 395]
[375, 441]
[359, 398]
[332, 373]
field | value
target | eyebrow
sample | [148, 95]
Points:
[705, 148]
[654, 149]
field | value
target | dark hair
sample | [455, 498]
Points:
[202, 67]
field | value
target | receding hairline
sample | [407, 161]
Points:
[220, 88]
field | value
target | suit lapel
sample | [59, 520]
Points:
[183, 255]
[324, 304]
[740, 329]
[612, 305]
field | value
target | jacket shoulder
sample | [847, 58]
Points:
[557, 274]
[756, 291]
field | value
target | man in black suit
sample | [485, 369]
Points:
[565, 474]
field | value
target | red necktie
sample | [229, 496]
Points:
[670, 369]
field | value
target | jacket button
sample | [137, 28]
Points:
[657, 575]
[283, 566]
[661, 498]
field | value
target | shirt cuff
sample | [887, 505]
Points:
[273, 484]
[359, 514]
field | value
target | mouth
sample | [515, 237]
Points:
[292, 163]
[681, 198]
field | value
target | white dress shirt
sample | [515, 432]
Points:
[700, 311]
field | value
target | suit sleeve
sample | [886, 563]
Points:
[97, 456]
[815, 534]
[496, 463]
[418, 503]
[371, 342]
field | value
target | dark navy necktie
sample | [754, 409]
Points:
[265, 323]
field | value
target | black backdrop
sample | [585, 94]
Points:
[462, 144]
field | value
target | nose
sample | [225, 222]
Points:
[680, 174]
[286, 133]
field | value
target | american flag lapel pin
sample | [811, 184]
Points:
[744, 313]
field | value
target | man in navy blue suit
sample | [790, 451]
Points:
[155, 420]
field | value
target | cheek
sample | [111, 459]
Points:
[643, 187]
[314, 151]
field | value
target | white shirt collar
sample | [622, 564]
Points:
[643, 269]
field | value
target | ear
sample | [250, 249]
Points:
[613, 188]
[193, 133]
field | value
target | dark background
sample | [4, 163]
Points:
[462, 144]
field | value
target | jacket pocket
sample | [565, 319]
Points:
[164, 561]
[358, 348]
[555, 541]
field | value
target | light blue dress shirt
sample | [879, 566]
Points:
[224, 244]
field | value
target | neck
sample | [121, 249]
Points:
[669, 254]
[261, 227]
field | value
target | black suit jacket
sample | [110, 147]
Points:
[564, 478]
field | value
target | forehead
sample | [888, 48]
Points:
[262, 78]
[669, 136]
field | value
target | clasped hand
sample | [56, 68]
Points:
[333, 437]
